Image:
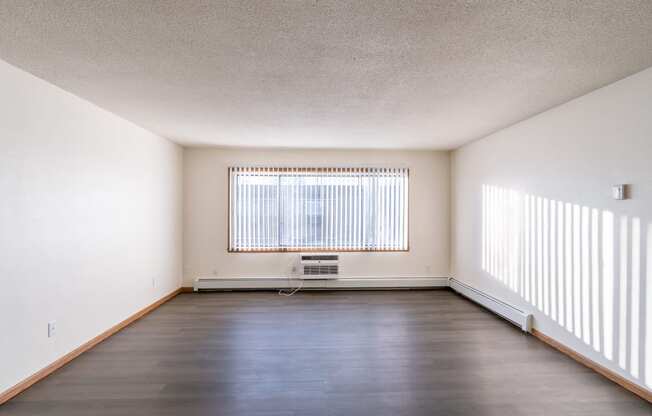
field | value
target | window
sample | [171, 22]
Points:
[318, 209]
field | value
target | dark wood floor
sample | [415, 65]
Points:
[324, 353]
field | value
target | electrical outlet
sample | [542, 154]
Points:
[153, 281]
[52, 329]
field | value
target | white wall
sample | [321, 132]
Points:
[90, 213]
[570, 154]
[205, 213]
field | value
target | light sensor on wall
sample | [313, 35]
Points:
[619, 192]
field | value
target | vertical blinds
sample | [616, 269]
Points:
[302, 209]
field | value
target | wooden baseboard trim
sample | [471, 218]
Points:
[43, 373]
[616, 378]
[187, 289]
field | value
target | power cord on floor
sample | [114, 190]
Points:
[284, 292]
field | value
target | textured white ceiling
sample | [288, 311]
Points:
[365, 74]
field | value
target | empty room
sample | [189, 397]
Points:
[329, 208]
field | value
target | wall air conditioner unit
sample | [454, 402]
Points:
[318, 266]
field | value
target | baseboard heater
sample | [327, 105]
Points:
[514, 315]
[262, 283]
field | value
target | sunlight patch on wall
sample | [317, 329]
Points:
[582, 267]
[624, 250]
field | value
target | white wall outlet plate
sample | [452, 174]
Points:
[153, 281]
[52, 329]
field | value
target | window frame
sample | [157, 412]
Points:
[307, 249]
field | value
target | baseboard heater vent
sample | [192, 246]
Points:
[340, 282]
[514, 315]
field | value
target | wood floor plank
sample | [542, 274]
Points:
[324, 353]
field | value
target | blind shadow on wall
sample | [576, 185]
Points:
[588, 270]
